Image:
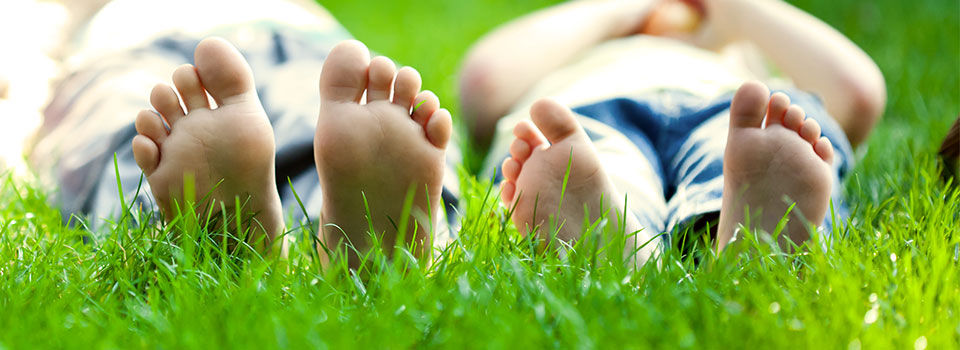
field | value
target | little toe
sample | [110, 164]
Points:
[424, 106]
[520, 150]
[166, 102]
[748, 105]
[525, 131]
[793, 119]
[223, 71]
[824, 149]
[146, 153]
[507, 190]
[191, 90]
[150, 124]
[810, 130]
[555, 121]
[777, 108]
[344, 74]
[380, 79]
[439, 128]
[510, 169]
[406, 87]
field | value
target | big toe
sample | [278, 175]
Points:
[344, 74]
[223, 70]
[555, 121]
[749, 105]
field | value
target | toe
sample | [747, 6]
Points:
[150, 124]
[380, 79]
[146, 153]
[520, 150]
[344, 74]
[439, 128]
[191, 90]
[555, 121]
[166, 102]
[810, 130]
[507, 190]
[511, 169]
[824, 149]
[793, 119]
[529, 134]
[406, 87]
[223, 71]
[777, 108]
[424, 106]
[748, 105]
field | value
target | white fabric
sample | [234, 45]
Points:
[122, 24]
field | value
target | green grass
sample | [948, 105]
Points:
[890, 280]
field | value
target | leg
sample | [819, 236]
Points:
[554, 174]
[373, 155]
[502, 66]
[766, 169]
[228, 150]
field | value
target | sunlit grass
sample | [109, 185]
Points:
[890, 277]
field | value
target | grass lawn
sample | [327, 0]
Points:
[890, 279]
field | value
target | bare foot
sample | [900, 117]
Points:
[370, 155]
[540, 158]
[766, 169]
[228, 150]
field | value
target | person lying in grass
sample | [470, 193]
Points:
[370, 148]
[228, 145]
[656, 131]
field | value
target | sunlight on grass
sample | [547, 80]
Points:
[888, 278]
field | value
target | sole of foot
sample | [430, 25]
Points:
[226, 149]
[553, 181]
[768, 167]
[384, 156]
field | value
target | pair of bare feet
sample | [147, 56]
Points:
[369, 156]
[774, 157]
[384, 158]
